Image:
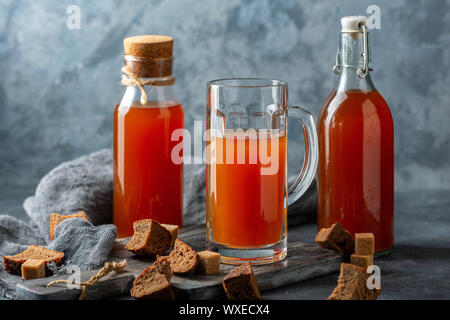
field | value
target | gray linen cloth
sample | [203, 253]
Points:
[82, 184]
[86, 184]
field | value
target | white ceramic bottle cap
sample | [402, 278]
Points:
[352, 23]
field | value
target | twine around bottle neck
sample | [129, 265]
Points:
[130, 79]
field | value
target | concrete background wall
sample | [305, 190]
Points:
[58, 86]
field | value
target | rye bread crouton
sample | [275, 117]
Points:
[336, 238]
[33, 269]
[352, 285]
[56, 219]
[153, 283]
[149, 238]
[241, 284]
[209, 262]
[13, 264]
[183, 258]
[364, 244]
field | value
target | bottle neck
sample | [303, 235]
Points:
[155, 94]
[351, 59]
[349, 80]
[142, 67]
[148, 81]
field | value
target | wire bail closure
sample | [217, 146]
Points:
[337, 66]
[364, 71]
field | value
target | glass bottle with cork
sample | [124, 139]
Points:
[356, 145]
[148, 183]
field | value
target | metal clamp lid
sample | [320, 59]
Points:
[356, 24]
[364, 71]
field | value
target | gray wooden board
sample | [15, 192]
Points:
[304, 261]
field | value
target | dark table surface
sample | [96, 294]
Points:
[419, 263]
[417, 268]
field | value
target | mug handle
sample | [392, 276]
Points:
[308, 171]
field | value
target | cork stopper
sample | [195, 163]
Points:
[149, 46]
[149, 56]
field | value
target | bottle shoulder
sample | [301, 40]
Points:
[341, 105]
[157, 97]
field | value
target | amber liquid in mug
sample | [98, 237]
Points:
[246, 208]
[147, 183]
[355, 170]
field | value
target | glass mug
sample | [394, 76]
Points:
[247, 192]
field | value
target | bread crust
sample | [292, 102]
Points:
[362, 261]
[173, 229]
[337, 238]
[240, 284]
[149, 238]
[33, 269]
[352, 285]
[153, 283]
[364, 244]
[209, 262]
[56, 219]
[183, 259]
[13, 264]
